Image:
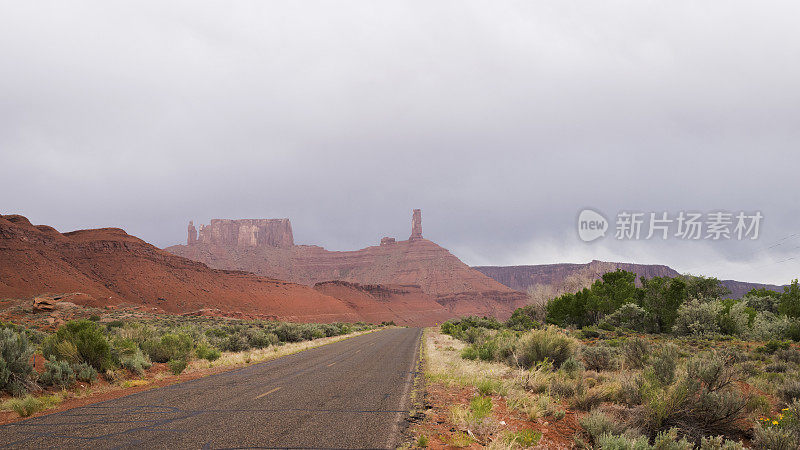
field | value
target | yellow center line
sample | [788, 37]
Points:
[331, 364]
[268, 392]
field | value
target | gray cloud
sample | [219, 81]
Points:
[500, 119]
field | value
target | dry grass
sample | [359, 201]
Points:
[253, 356]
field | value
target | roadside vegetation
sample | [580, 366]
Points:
[670, 364]
[81, 353]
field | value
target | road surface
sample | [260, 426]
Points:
[349, 394]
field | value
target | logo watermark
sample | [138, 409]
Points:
[684, 225]
[591, 225]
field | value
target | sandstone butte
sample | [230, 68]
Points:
[109, 268]
[266, 247]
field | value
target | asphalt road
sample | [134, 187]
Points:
[349, 394]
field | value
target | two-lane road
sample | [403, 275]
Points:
[349, 394]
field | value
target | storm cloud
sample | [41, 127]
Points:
[500, 120]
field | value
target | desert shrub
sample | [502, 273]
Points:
[776, 367]
[236, 342]
[791, 355]
[598, 358]
[735, 318]
[635, 352]
[767, 325]
[774, 438]
[663, 364]
[15, 371]
[634, 318]
[169, 346]
[586, 399]
[697, 318]
[790, 390]
[597, 423]
[450, 328]
[610, 441]
[525, 318]
[289, 332]
[561, 388]
[128, 355]
[705, 401]
[263, 339]
[177, 366]
[26, 406]
[630, 391]
[82, 340]
[665, 440]
[572, 366]
[207, 352]
[57, 373]
[84, 372]
[334, 330]
[548, 344]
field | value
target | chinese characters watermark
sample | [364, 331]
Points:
[685, 225]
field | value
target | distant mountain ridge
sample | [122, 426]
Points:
[556, 279]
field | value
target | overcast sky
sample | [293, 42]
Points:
[501, 120]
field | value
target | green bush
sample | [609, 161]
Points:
[525, 318]
[84, 372]
[696, 318]
[289, 332]
[177, 366]
[128, 355]
[598, 358]
[57, 373]
[597, 424]
[169, 346]
[767, 325]
[16, 373]
[205, 351]
[572, 366]
[635, 352]
[27, 406]
[775, 439]
[735, 318]
[633, 317]
[790, 390]
[705, 401]
[548, 344]
[263, 339]
[82, 340]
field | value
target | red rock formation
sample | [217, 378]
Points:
[416, 225]
[416, 261]
[246, 233]
[192, 238]
[113, 267]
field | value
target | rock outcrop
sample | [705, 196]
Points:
[416, 261]
[112, 267]
[416, 225]
[244, 233]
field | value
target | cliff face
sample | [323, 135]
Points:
[243, 233]
[416, 261]
[113, 267]
[555, 279]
